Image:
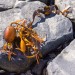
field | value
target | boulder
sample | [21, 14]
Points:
[28, 10]
[20, 4]
[6, 17]
[6, 4]
[62, 4]
[57, 30]
[64, 63]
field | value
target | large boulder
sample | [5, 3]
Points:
[57, 29]
[64, 4]
[64, 63]
[6, 4]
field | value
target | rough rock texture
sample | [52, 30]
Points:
[64, 63]
[20, 4]
[6, 17]
[28, 10]
[62, 4]
[6, 4]
[57, 30]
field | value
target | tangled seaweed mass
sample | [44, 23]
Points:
[21, 36]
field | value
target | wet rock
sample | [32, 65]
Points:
[62, 4]
[6, 4]
[64, 63]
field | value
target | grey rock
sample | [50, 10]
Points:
[18, 63]
[2, 71]
[54, 28]
[1, 38]
[6, 4]
[62, 4]
[28, 73]
[20, 4]
[6, 17]
[38, 68]
[28, 10]
[64, 63]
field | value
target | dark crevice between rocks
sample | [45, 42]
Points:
[47, 2]
[73, 24]
[50, 2]
[4, 9]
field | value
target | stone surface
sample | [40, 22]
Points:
[20, 4]
[38, 68]
[63, 4]
[64, 63]
[28, 10]
[6, 17]
[57, 28]
[6, 4]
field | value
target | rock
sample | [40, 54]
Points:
[48, 2]
[64, 63]
[6, 4]
[6, 17]
[57, 30]
[28, 10]
[38, 68]
[2, 71]
[28, 73]
[62, 4]
[18, 63]
[20, 4]
[1, 38]
[44, 1]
